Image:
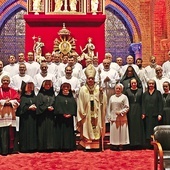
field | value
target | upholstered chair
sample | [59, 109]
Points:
[161, 143]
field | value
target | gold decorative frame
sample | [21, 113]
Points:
[30, 7]
[101, 7]
[65, 7]
[82, 7]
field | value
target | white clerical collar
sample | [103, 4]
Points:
[153, 65]
[21, 75]
[23, 62]
[68, 77]
[43, 74]
[57, 63]
[106, 69]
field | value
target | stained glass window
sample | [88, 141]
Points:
[117, 36]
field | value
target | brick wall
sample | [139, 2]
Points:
[153, 17]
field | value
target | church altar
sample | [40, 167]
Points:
[82, 24]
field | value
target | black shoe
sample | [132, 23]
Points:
[114, 148]
[120, 148]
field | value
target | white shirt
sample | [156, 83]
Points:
[52, 68]
[12, 69]
[113, 65]
[73, 81]
[124, 68]
[113, 76]
[38, 80]
[150, 72]
[77, 71]
[159, 83]
[33, 68]
[60, 67]
[142, 76]
[16, 81]
[166, 67]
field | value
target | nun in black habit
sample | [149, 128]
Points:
[65, 108]
[45, 117]
[129, 74]
[28, 118]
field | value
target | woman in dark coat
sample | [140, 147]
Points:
[27, 123]
[65, 109]
[152, 109]
[166, 100]
[45, 116]
[135, 122]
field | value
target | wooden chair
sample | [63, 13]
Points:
[161, 143]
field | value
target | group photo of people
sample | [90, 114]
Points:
[84, 84]
[44, 106]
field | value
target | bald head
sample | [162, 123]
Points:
[129, 59]
[109, 56]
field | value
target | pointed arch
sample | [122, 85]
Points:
[130, 14]
[122, 18]
[8, 9]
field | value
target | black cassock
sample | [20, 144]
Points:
[65, 136]
[135, 122]
[152, 106]
[45, 120]
[27, 124]
[166, 109]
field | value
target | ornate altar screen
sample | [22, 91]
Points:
[83, 18]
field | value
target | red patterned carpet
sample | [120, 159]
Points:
[79, 160]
